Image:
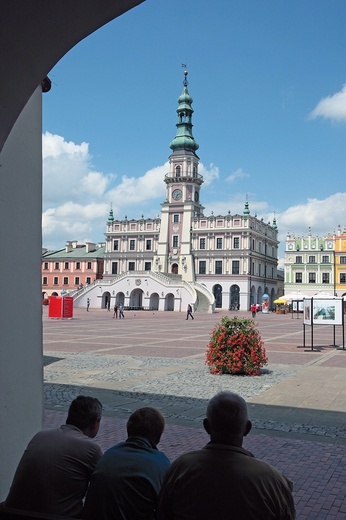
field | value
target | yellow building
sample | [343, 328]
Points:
[340, 262]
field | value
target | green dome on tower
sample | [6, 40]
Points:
[184, 138]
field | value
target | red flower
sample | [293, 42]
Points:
[235, 347]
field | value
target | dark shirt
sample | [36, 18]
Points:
[224, 482]
[126, 482]
[54, 472]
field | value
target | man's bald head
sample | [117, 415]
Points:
[227, 418]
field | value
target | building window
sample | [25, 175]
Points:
[236, 243]
[77, 280]
[218, 267]
[176, 218]
[88, 280]
[178, 171]
[65, 282]
[175, 240]
[45, 265]
[77, 265]
[312, 277]
[56, 280]
[219, 243]
[342, 277]
[202, 267]
[116, 245]
[132, 245]
[56, 265]
[299, 259]
[66, 265]
[89, 265]
[147, 266]
[45, 280]
[114, 267]
[325, 277]
[131, 266]
[235, 266]
[342, 259]
[312, 259]
[202, 243]
[299, 277]
[148, 245]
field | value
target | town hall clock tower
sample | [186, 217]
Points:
[183, 183]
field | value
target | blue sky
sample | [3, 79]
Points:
[268, 83]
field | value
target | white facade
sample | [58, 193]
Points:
[184, 256]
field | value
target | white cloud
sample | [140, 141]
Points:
[238, 174]
[332, 107]
[210, 174]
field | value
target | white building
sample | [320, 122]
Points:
[184, 256]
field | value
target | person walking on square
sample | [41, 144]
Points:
[223, 481]
[88, 304]
[253, 310]
[189, 312]
[121, 311]
[115, 314]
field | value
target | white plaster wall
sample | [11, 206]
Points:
[21, 386]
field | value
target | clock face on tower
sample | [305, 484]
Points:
[177, 194]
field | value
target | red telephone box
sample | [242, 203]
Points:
[60, 307]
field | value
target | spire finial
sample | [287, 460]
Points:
[185, 82]
[111, 216]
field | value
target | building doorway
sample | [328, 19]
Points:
[217, 292]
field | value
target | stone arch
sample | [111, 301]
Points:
[136, 298]
[234, 293]
[106, 300]
[54, 293]
[217, 292]
[154, 301]
[169, 302]
[120, 298]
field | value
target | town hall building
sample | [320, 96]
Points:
[184, 256]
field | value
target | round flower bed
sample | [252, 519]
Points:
[236, 347]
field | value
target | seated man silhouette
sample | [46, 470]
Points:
[128, 478]
[224, 481]
[54, 472]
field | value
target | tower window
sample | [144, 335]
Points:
[178, 171]
[176, 218]
[175, 240]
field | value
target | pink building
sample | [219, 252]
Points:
[71, 268]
